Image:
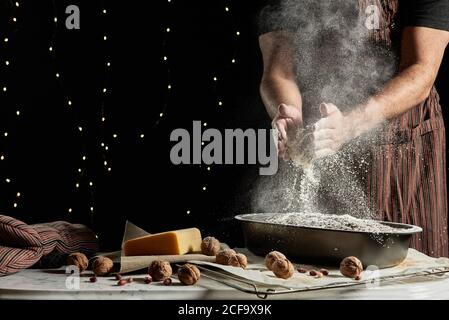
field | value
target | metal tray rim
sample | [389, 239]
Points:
[411, 229]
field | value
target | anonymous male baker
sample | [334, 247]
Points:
[407, 177]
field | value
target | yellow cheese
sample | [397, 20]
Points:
[166, 243]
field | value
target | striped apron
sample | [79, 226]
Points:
[406, 178]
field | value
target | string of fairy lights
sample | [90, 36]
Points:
[84, 177]
[83, 174]
[216, 79]
[5, 89]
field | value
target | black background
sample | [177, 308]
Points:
[44, 148]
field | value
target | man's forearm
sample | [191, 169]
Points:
[409, 88]
[277, 90]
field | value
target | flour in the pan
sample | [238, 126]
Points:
[333, 222]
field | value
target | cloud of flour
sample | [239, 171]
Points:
[336, 62]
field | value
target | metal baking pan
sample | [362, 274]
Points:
[325, 246]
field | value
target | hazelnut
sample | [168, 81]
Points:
[210, 246]
[351, 267]
[224, 256]
[118, 276]
[302, 270]
[358, 278]
[272, 257]
[189, 274]
[313, 273]
[148, 279]
[167, 282]
[122, 282]
[93, 279]
[160, 270]
[238, 260]
[78, 260]
[283, 268]
[102, 266]
[325, 272]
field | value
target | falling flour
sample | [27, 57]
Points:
[333, 222]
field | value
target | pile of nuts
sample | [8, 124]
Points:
[277, 262]
[228, 257]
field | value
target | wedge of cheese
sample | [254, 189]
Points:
[166, 243]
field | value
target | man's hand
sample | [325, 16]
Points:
[332, 131]
[287, 121]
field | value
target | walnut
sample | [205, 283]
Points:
[238, 260]
[102, 266]
[188, 274]
[160, 270]
[351, 267]
[210, 246]
[283, 268]
[78, 260]
[272, 257]
[224, 256]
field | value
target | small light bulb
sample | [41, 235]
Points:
[5, 134]
[220, 103]
[6, 40]
[14, 19]
[84, 158]
[18, 112]
[108, 64]
[161, 114]
[104, 90]
[237, 33]
[77, 185]
[80, 170]
[92, 209]
[18, 195]
[215, 79]
[102, 144]
[233, 60]
[2, 157]
[5, 89]
[188, 211]
[50, 49]
[7, 62]
[91, 183]
[205, 124]
[17, 4]
[105, 163]
[15, 205]
[226, 9]
[104, 11]
[70, 210]
[204, 188]
[106, 148]
[109, 169]
[168, 29]
[202, 143]
[165, 58]
[114, 135]
[69, 103]
[103, 119]
[57, 75]
[55, 19]
[142, 136]
[8, 180]
[169, 87]
[208, 168]
[80, 129]
[105, 38]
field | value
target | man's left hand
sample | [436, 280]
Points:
[332, 131]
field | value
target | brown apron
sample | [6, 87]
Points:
[407, 175]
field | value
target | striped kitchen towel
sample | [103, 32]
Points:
[23, 245]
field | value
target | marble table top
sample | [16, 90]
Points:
[56, 284]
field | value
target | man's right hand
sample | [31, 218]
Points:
[288, 121]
